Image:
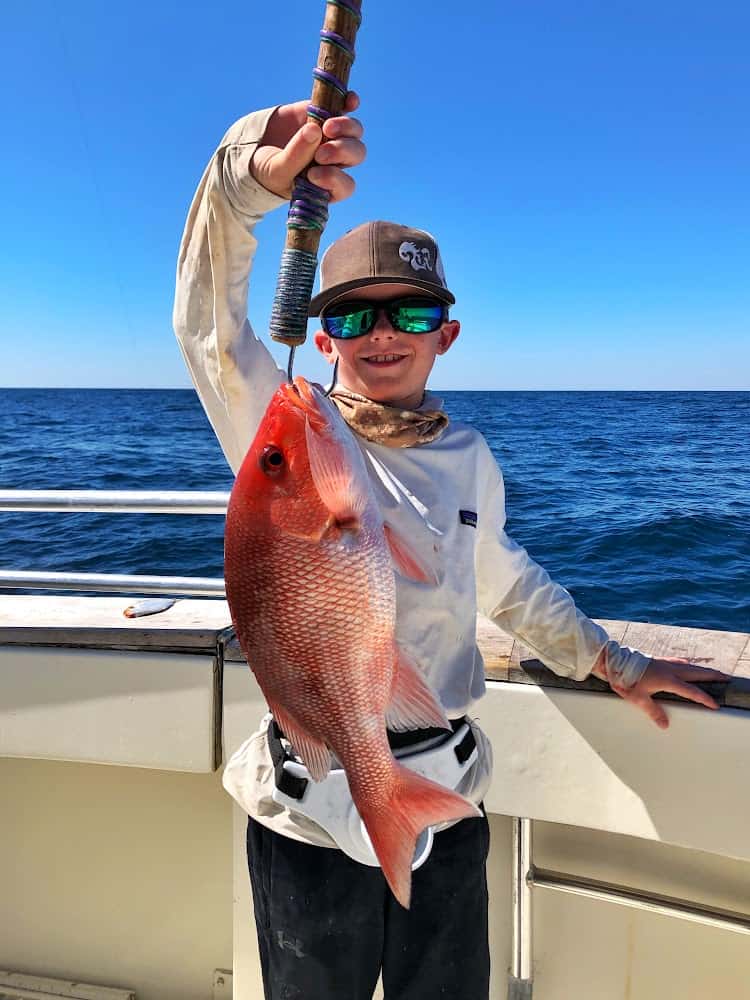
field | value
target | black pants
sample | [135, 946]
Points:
[327, 925]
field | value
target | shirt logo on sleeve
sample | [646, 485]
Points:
[468, 517]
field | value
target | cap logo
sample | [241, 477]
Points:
[418, 257]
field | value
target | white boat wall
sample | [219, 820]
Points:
[123, 863]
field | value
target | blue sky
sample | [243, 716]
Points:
[585, 167]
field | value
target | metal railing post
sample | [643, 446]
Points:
[520, 981]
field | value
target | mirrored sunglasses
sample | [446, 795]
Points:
[412, 314]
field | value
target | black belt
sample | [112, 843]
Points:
[397, 741]
[287, 783]
[295, 787]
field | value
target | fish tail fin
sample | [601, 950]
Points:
[394, 825]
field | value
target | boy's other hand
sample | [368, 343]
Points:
[674, 675]
[291, 142]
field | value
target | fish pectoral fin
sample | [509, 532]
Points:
[406, 560]
[413, 703]
[334, 478]
[313, 751]
[332, 528]
[331, 524]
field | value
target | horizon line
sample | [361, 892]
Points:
[179, 388]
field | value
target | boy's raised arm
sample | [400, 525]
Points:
[234, 374]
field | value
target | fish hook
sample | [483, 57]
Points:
[332, 386]
[290, 365]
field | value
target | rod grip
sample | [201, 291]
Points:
[308, 210]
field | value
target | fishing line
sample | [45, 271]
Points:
[332, 386]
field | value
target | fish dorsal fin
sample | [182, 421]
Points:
[341, 491]
[406, 560]
[413, 703]
[313, 751]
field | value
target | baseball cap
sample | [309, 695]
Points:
[378, 253]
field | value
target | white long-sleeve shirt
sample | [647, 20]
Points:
[446, 497]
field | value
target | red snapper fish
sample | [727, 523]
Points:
[311, 589]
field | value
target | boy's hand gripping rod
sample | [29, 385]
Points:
[308, 210]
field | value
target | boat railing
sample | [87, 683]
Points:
[114, 502]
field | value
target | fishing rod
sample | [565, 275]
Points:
[308, 209]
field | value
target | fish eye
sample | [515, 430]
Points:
[272, 460]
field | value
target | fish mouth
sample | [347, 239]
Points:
[302, 395]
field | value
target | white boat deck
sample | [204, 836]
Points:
[133, 875]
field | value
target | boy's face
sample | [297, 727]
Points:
[386, 365]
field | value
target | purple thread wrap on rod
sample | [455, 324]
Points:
[330, 79]
[309, 205]
[322, 114]
[339, 41]
[353, 6]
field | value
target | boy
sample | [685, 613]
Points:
[326, 924]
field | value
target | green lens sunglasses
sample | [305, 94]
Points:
[411, 314]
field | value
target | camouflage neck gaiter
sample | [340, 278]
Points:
[390, 425]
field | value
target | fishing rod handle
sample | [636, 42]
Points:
[308, 209]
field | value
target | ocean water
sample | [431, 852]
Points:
[637, 502]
